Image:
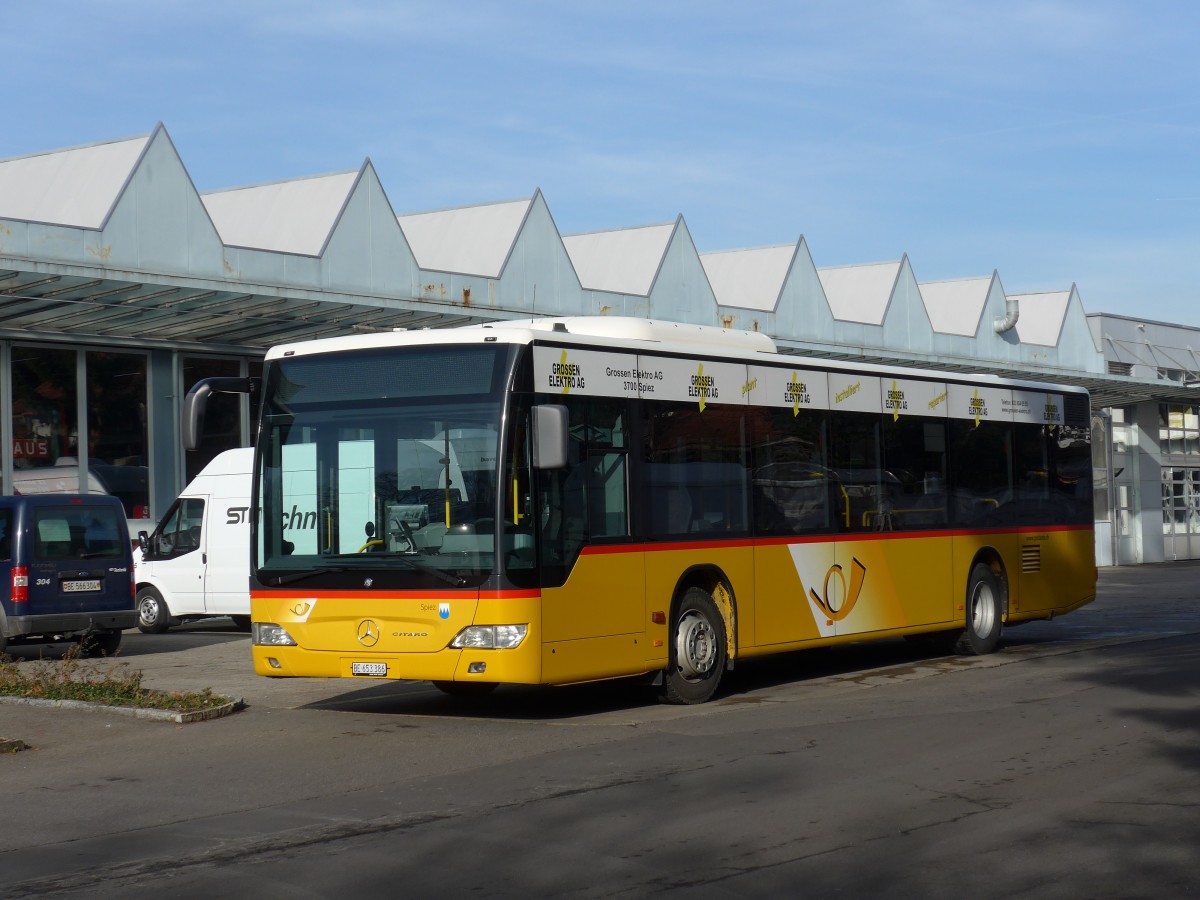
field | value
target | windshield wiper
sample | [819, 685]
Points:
[300, 576]
[455, 580]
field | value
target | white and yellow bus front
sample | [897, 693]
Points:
[385, 523]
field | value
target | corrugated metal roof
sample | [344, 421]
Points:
[955, 307]
[860, 293]
[1041, 317]
[75, 187]
[749, 279]
[287, 216]
[470, 240]
[624, 261]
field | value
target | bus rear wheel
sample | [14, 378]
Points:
[984, 613]
[698, 650]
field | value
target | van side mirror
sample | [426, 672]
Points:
[196, 402]
[550, 427]
[144, 541]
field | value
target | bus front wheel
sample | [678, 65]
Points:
[698, 650]
[984, 613]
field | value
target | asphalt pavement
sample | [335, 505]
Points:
[101, 804]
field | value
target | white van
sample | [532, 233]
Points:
[196, 563]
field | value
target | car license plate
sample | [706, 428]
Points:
[72, 587]
[361, 668]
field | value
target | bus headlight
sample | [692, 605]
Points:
[270, 635]
[489, 637]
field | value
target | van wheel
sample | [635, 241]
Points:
[100, 643]
[153, 615]
[698, 650]
[984, 613]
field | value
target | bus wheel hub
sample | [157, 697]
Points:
[695, 646]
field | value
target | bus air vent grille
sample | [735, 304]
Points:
[1031, 558]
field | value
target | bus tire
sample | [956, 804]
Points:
[153, 615]
[984, 613]
[697, 652]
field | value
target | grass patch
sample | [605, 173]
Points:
[73, 678]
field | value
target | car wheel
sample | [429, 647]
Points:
[153, 615]
[104, 642]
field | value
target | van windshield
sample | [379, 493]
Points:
[378, 468]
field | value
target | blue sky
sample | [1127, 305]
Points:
[1052, 140]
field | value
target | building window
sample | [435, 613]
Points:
[116, 426]
[223, 416]
[1179, 430]
[45, 426]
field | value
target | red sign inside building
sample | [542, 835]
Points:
[31, 448]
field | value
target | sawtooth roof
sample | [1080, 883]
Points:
[623, 261]
[473, 240]
[749, 279]
[76, 187]
[294, 216]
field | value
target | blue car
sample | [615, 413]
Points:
[66, 571]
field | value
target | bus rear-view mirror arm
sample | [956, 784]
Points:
[196, 401]
[550, 429]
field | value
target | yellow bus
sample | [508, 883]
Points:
[553, 501]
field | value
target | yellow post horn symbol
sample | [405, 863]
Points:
[858, 574]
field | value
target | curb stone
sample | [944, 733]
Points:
[160, 715]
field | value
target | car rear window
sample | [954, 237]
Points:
[81, 532]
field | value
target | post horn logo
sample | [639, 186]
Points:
[858, 574]
[368, 633]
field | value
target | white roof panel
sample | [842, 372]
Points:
[1041, 316]
[749, 279]
[469, 240]
[955, 307]
[286, 217]
[624, 261]
[75, 187]
[860, 293]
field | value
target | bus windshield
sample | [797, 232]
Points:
[378, 468]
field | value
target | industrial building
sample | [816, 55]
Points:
[121, 285]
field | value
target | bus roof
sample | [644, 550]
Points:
[634, 334]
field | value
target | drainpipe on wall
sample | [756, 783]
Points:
[1011, 314]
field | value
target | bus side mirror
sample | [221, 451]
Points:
[550, 425]
[196, 401]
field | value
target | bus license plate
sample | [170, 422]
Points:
[72, 587]
[361, 668]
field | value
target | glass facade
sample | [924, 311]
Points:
[80, 421]
[60, 429]
[1179, 446]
